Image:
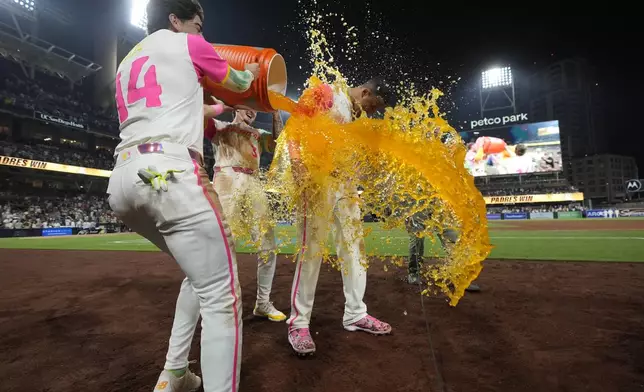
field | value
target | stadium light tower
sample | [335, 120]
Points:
[497, 90]
[28, 5]
[138, 14]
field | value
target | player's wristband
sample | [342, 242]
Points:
[218, 109]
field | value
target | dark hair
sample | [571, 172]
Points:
[382, 90]
[159, 11]
[520, 149]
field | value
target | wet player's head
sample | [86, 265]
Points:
[520, 149]
[246, 116]
[372, 97]
[180, 16]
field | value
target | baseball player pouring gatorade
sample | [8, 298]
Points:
[238, 148]
[160, 189]
[312, 230]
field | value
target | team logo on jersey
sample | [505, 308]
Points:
[125, 155]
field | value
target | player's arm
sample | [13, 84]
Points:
[278, 125]
[213, 127]
[297, 166]
[212, 108]
[208, 63]
[266, 141]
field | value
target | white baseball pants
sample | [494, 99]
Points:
[242, 197]
[186, 223]
[313, 231]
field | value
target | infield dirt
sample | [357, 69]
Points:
[99, 321]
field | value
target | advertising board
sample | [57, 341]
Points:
[515, 215]
[56, 231]
[596, 214]
[569, 215]
[542, 215]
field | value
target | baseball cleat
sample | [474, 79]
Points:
[267, 310]
[301, 341]
[369, 324]
[473, 288]
[413, 279]
[168, 382]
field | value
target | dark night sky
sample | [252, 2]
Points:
[434, 44]
[458, 43]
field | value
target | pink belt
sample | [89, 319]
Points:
[237, 169]
[157, 148]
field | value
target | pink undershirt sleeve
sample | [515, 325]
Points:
[206, 60]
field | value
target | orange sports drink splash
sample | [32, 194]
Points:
[405, 171]
[400, 161]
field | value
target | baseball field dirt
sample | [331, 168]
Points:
[99, 321]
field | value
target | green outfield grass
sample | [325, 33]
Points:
[572, 245]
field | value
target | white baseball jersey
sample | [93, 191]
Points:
[158, 91]
[237, 147]
[342, 110]
[519, 164]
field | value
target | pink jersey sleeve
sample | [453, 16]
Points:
[206, 60]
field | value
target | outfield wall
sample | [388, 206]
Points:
[589, 214]
[59, 231]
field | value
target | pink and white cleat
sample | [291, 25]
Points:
[301, 341]
[369, 324]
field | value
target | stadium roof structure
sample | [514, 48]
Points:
[24, 48]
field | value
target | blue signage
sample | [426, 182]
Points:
[515, 215]
[56, 231]
[596, 214]
[493, 216]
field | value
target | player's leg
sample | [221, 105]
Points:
[188, 217]
[186, 314]
[176, 376]
[350, 248]
[263, 231]
[199, 238]
[311, 228]
[448, 238]
[416, 253]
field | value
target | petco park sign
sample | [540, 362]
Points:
[499, 120]
[550, 198]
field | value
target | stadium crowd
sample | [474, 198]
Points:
[536, 190]
[31, 212]
[568, 207]
[58, 153]
[52, 96]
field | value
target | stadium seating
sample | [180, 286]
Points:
[25, 212]
[52, 96]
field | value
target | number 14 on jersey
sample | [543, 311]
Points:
[150, 91]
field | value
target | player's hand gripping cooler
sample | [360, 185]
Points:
[271, 76]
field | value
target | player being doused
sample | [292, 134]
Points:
[493, 156]
[479, 158]
[519, 163]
